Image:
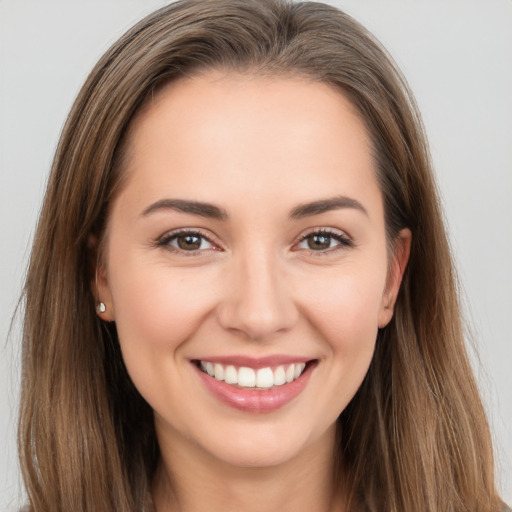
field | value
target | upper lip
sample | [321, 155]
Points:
[255, 362]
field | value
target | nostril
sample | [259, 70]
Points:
[256, 319]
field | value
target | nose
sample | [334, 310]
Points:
[257, 301]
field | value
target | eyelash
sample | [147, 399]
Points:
[345, 242]
[164, 242]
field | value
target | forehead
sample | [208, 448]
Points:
[248, 135]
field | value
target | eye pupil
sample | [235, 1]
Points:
[318, 242]
[189, 242]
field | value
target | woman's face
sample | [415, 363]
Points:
[248, 241]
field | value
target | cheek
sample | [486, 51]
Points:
[157, 309]
[346, 315]
[344, 307]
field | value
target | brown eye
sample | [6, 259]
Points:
[189, 242]
[319, 242]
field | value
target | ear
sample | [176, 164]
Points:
[396, 269]
[99, 281]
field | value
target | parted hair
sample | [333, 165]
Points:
[414, 437]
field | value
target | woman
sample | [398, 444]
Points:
[240, 292]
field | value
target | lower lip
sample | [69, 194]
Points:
[256, 401]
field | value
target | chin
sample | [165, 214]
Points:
[264, 445]
[257, 457]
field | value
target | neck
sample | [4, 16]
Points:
[190, 480]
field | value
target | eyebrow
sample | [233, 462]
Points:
[193, 207]
[326, 205]
[212, 211]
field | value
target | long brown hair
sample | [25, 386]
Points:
[414, 437]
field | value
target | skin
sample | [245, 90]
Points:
[257, 148]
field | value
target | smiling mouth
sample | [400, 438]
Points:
[252, 378]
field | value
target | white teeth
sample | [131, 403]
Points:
[279, 376]
[210, 369]
[246, 377]
[219, 371]
[299, 369]
[231, 375]
[262, 378]
[290, 373]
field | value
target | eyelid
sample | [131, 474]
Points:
[163, 241]
[345, 240]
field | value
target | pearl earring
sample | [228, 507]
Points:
[100, 307]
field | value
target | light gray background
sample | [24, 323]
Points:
[457, 56]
